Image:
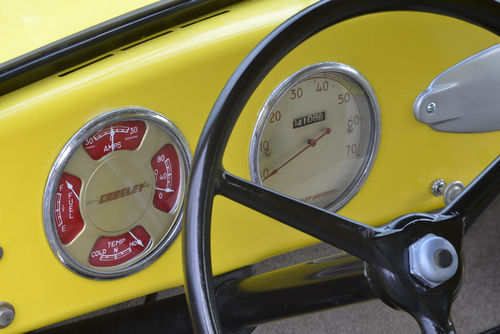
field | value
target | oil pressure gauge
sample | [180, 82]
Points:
[114, 197]
[317, 135]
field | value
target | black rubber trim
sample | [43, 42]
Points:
[101, 39]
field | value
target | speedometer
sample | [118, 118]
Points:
[317, 135]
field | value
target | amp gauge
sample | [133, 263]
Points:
[114, 197]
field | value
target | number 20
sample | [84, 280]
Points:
[275, 116]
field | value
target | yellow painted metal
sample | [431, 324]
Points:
[27, 25]
[180, 75]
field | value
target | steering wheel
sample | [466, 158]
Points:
[428, 238]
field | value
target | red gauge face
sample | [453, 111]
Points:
[118, 203]
[126, 135]
[69, 222]
[112, 251]
[166, 168]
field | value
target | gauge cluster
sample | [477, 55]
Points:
[317, 135]
[113, 201]
[114, 197]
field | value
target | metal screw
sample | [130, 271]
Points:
[437, 187]
[431, 108]
[7, 314]
[448, 191]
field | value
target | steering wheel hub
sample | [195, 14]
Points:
[433, 260]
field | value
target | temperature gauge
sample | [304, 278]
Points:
[114, 199]
[112, 251]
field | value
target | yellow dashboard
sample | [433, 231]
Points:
[33, 24]
[179, 74]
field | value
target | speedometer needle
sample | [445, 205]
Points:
[310, 143]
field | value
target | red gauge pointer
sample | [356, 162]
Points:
[310, 143]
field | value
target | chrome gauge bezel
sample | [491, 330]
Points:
[346, 73]
[131, 113]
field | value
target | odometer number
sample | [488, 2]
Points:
[309, 119]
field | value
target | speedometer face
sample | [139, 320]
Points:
[317, 136]
[114, 197]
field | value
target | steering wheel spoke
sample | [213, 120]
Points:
[341, 232]
[430, 325]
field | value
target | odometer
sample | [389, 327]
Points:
[317, 135]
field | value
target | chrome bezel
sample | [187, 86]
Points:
[345, 73]
[131, 113]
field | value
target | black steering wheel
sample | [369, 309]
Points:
[384, 250]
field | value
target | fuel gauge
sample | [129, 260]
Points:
[69, 222]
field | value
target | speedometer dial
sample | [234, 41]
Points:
[317, 135]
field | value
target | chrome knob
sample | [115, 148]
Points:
[7, 314]
[433, 260]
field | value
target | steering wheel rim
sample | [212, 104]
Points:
[208, 177]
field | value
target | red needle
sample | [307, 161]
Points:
[311, 143]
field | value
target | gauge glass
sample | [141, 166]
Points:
[113, 202]
[317, 135]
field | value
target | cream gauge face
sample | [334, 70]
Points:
[317, 136]
[114, 198]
